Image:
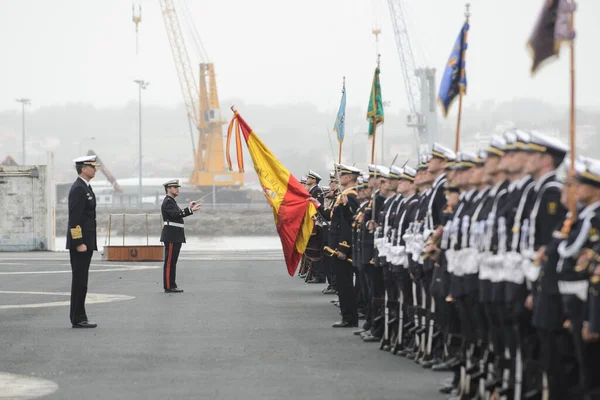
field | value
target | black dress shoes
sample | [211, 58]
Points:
[345, 324]
[174, 290]
[84, 324]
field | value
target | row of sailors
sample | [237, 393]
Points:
[465, 267]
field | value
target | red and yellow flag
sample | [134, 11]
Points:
[293, 214]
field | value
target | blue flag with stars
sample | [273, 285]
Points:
[340, 121]
[454, 80]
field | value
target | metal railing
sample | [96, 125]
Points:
[124, 215]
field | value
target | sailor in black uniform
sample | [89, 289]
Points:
[318, 273]
[172, 233]
[340, 242]
[81, 237]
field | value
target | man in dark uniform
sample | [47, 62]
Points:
[81, 237]
[318, 273]
[340, 242]
[172, 233]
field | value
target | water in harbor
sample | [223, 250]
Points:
[195, 243]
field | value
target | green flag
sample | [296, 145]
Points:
[375, 112]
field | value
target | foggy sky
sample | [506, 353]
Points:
[278, 51]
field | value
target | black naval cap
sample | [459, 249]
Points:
[87, 160]
[172, 183]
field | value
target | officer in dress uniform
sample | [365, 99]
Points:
[318, 274]
[81, 237]
[340, 242]
[172, 233]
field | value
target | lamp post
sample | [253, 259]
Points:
[24, 102]
[141, 85]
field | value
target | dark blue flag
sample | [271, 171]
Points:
[454, 80]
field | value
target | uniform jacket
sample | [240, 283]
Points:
[172, 213]
[341, 217]
[82, 216]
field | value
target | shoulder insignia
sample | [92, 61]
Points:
[595, 279]
[552, 207]
[594, 237]
[345, 244]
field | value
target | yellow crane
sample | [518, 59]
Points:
[202, 104]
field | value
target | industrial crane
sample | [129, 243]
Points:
[202, 104]
[419, 83]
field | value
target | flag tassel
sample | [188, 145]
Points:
[234, 125]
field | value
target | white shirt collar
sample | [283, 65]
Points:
[495, 189]
[523, 181]
[589, 209]
[439, 178]
[86, 182]
[469, 194]
[540, 182]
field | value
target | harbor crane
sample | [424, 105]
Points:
[419, 83]
[202, 104]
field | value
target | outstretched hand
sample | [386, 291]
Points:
[314, 201]
[196, 207]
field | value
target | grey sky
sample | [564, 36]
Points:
[278, 51]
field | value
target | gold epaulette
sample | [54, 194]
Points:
[76, 232]
[351, 191]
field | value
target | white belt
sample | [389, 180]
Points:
[169, 223]
[578, 288]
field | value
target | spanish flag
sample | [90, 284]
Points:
[293, 214]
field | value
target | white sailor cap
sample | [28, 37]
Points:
[442, 152]
[466, 160]
[302, 179]
[395, 172]
[496, 146]
[423, 160]
[523, 139]
[172, 183]
[383, 170]
[333, 177]
[481, 156]
[347, 170]
[314, 175]
[510, 138]
[408, 174]
[541, 143]
[87, 160]
[587, 171]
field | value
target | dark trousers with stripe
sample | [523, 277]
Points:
[80, 267]
[170, 266]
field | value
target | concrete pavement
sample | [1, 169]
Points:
[243, 329]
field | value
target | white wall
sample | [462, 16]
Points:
[25, 209]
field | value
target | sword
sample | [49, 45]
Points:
[203, 197]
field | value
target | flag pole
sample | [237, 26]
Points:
[461, 90]
[341, 141]
[571, 188]
[374, 121]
